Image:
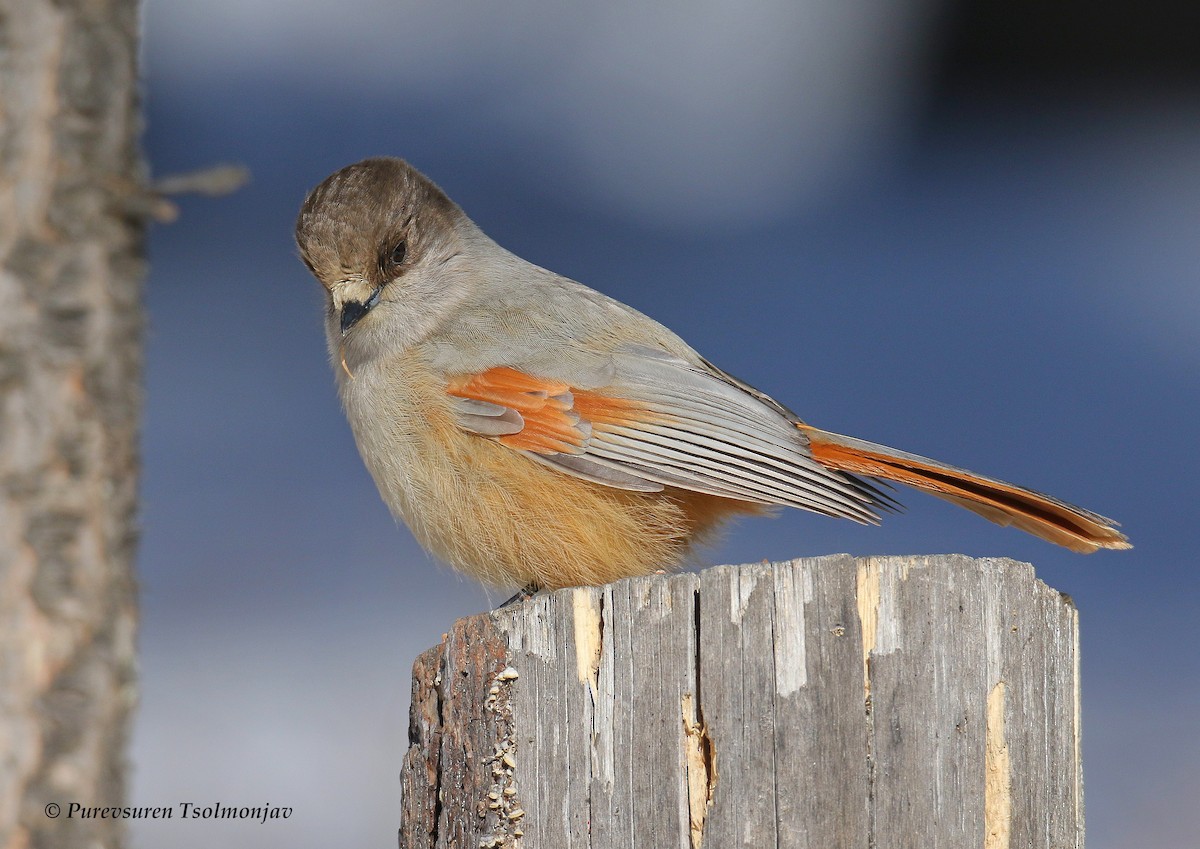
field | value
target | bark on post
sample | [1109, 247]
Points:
[70, 373]
[827, 702]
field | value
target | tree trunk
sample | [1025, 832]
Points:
[71, 270]
[828, 702]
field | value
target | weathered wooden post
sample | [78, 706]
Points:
[828, 702]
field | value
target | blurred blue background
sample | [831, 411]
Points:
[966, 229]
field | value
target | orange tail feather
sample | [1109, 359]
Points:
[1003, 503]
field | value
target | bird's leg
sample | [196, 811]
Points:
[526, 592]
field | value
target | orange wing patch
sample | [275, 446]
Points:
[557, 418]
[603, 410]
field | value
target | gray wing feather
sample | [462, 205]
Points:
[485, 418]
[597, 470]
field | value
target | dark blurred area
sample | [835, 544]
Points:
[1026, 47]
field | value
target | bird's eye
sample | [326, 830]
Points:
[399, 252]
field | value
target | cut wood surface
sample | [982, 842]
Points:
[826, 702]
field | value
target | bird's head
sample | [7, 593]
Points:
[382, 239]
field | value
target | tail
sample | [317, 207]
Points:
[1000, 502]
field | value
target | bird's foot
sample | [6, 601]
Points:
[526, 592]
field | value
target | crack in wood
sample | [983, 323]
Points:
[700, 760]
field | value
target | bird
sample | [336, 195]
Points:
[535, 433]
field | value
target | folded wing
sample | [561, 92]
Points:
[661, 422]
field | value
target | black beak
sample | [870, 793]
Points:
[353, 311]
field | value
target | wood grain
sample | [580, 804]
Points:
[827, 702]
